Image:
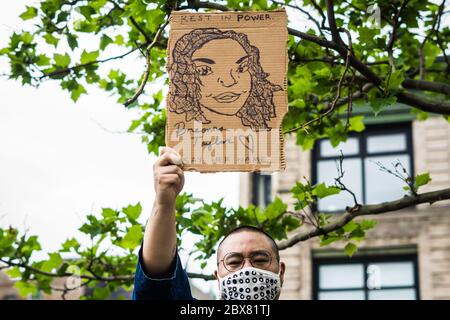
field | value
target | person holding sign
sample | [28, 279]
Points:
[248, 261]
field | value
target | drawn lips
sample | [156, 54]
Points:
[227, 97]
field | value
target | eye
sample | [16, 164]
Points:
[260, 261]
[204, 70]
[243, 66]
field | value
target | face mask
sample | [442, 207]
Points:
[250, 284]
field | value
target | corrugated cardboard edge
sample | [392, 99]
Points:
[282, 160]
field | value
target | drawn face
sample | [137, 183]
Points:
[222, 66]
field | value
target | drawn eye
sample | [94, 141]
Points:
[243, 67]
[204, 70]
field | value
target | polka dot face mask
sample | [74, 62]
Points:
[250, 284]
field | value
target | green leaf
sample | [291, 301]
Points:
[30, 13]
[379, 104]
[109, 213]
[357, 124]
[25, 288]
[62, 61]
[119, 40]
[43, 60]
[53, 263]
[77, 92]
[422, 179]
[297, 103]
[87, 57]
[367, 35]
[367, 224]
[133, 212]
[395, 80]
[322, 191]
[105, 41]
[14, 272]
[69, 244]
[358, 234]
[350, 226]
[5, 51]
[430, 52]
[350, 249]
[133, 237]
[86, 11]
[275, 208]
[420, 115]
[50, 39]
[97, 4]
[329, 238]
[101, 293]
[72, 41]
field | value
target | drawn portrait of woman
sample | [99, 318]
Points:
[216, 73]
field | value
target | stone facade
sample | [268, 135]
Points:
[423, 230]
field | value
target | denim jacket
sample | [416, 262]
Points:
[173, 287]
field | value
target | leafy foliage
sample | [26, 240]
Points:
[52, 47]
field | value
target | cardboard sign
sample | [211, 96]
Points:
[227, 89]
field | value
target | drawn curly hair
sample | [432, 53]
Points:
[184, 94]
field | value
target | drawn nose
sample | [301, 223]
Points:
[227, 80]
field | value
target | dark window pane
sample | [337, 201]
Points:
[262, 189]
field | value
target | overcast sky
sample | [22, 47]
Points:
[59, 161]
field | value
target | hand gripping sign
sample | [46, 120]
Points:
[227, 90]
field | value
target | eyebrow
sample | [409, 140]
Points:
[205, 60]
[232, 254]
[241, 59]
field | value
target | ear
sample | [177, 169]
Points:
[216, 275]
[282, 269]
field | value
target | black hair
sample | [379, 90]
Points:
[184, 93]
[253, 229]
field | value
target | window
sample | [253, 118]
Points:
[261, 189]
[366, 278]
[362, 153]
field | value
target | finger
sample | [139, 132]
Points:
[170, 179]
[170, 169]
[168, 158]
[162, 150]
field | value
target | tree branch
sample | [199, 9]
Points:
[405, 202]
[206, 277]
[332, 24]
[309, 37]
[142, 31]
[439, 87]
[434, 29]
[148, 65]
[56, 275]
[319, 9]
[423, 103]
[341, 48]
[126, 278]
[80, 66]
[396, 25]
[334, 103]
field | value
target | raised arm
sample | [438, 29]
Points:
[159, 246]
